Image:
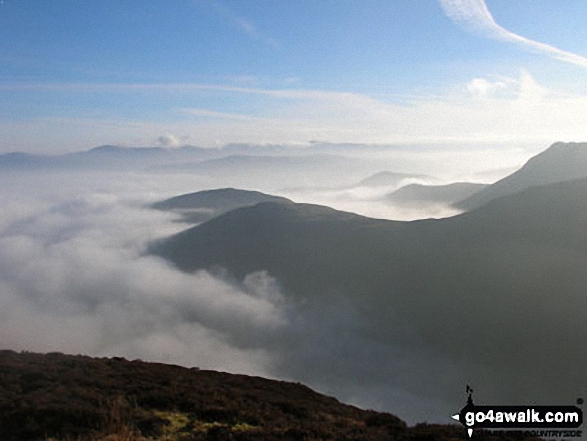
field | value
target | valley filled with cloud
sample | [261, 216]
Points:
[79, 276]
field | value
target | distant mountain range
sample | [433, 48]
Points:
[237, 166]
[286, 171]
[247, 164]
[502, 284]
[105, 157]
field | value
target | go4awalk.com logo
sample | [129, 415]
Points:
[540, 421]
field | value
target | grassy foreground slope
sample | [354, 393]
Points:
[78, 397]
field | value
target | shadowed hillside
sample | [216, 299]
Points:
[513, 270]
[560, 162]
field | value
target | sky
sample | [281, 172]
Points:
[209, 72]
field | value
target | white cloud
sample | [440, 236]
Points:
[168, 140]
[206, 113]
[74, 278]
[486, 88]
[475, 15]
[514, 110]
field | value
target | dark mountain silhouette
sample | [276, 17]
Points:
[388, 178]
[204, 205]
[79, 397]
[501, 285]
[442, 194]
[560, 162]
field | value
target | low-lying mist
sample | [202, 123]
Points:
[75, 279]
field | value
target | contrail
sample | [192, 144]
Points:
[475, 15]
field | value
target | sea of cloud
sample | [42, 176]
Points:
[75, 277]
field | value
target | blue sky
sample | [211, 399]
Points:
[207, 72]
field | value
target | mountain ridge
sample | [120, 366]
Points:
[203, 205]
[558, 163]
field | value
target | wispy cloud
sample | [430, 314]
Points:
[243, 24]
[492, 109]
[475, 15]
[214, 114]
